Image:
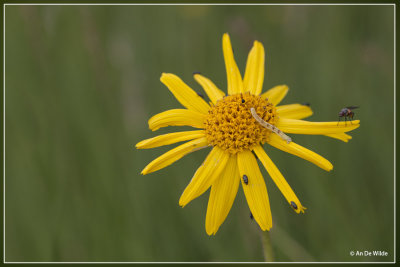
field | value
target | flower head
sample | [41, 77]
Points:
[236, 126]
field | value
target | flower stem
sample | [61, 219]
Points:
[267, 246]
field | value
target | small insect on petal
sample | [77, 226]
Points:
[347, 113]
[293, 205]
[251, 216]
[245, 179]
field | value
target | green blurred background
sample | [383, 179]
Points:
[82, 81]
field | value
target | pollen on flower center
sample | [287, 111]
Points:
[231, 126]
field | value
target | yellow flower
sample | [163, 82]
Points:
[229, 127]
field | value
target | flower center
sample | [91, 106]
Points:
[231, 126]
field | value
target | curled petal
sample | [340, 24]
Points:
[254, 74]
[255, 190]
[210, 88]
[175, 154]
[307, 127]
[279, 180]
[171, 138]
[300, 151]
[184, 94]
[234, 79]
[276, 94]
[222, 195]
[177, 117]
[205, 175]
[340, 136]
[294, 111]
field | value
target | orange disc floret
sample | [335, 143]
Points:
[230, 125]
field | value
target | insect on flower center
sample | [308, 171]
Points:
[231, 126]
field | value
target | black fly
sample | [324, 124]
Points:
[245, 179]
[347, 113]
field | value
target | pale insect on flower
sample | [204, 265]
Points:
[270, 126]
[235, 126]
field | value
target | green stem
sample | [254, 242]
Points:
[267, 246]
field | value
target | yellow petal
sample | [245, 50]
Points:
[205, 175]
[255, 190]
[341, 136]
[171, 138]
[279, 180]
[300, 151]
[184, 94]
[177, 117]
[234, 79]
[294, 111]
[222, 195]
[175, 154]
[276, 94]
[307, 127]
[254, 74]
[209, 87]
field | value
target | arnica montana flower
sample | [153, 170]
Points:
[236, 135]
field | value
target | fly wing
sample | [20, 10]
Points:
[352, 107]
